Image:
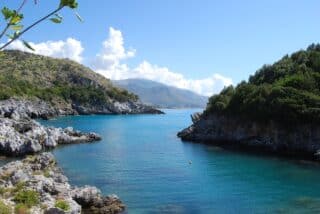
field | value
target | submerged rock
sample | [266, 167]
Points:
[39, 186]
[20, 137]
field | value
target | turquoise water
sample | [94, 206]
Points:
[148, 167]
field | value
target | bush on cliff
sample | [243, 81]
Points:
[287, 92]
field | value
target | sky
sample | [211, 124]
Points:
[201, 45]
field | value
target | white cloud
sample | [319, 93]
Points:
[206, 86]
[70, 48]
[109, 63]
[113, 52]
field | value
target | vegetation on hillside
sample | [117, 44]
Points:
[33, 76]
[287, 91]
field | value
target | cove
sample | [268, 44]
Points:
[152, 171]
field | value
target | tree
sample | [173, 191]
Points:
[13, 18]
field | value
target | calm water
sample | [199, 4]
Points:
[142, 161]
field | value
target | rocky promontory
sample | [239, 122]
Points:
[277, 110]
[36, 185]
[231, 132]
[25, 136]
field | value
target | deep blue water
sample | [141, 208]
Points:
[148, 167]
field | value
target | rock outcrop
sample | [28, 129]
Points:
[128, 107]
[296, 140]
[21, 109]
[36, 185]
[25, 136]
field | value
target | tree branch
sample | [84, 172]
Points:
[31, 26]
[8, 24]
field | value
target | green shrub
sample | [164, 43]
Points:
[28, 198]
[3, 190]
[5, 209]
[62, 205]
[18, 187]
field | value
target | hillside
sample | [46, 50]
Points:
[64, 84]
[287, 91]
[161, 95]
[277, 110]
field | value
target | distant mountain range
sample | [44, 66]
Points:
[161, 95]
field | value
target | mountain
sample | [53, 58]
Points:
[68, 86]
[161, 95]
[277, 109]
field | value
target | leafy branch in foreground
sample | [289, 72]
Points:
[13, 19]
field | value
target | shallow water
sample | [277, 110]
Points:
[152, 171]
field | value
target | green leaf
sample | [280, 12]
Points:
[69, 3]
[16, 18]
[28, 45]
[16, 27]
[58, 16]
[15, 35]
[7, 13]
[56, 20]
[79, 17]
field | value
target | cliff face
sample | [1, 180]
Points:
[300, 140]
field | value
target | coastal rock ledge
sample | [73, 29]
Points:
[36, 108]
[36, 185]
[25, 136]
[296, 140]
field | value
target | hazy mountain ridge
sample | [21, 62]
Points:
[161, 95]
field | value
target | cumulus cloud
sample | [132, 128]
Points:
[110, 64]
[70, 48]
[207, 86]
[108, 61]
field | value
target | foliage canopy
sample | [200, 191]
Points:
[287, 91]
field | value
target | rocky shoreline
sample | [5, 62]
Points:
[297, 141]
[25, 136]
[36, 185]
[36, 108]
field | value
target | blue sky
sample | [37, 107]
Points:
[195, 38]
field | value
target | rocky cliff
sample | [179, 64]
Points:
[231, 132]
[21, 108]
[276, 110]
